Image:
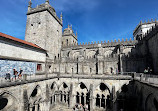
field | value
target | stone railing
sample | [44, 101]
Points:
[11, 81]
[147, 78]
[26, 78]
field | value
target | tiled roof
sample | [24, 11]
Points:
[19, 40]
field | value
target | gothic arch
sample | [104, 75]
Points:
[107, 85]
[36, 95]
[107, 53]
[35, 87]
[53, 87]
[8, 102]
[81, 88]
[102, 88]
[75, 55]
[91, 54]
[64, 87]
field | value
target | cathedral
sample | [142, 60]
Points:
[97, 74]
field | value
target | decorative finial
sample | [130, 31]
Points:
[68, 26]
[47, 1]
[141, 22]
[155, 20]
[76, 33]
[29, 6]
[151, 20]
[30, 3]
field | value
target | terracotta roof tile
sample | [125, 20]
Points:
[19, 40]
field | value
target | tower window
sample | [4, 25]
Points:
[39, 67]
[31, 24]
[39, 23]
[67, 41]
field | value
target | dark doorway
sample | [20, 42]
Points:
[98, 100]
[77, 98]
[97, 68]
[82, 99]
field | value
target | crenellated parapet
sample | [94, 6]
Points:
[103, 43]
[150, 33]
[145, 23]
[44, 7]
[142, 28]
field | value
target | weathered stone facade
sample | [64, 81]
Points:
[88, 73]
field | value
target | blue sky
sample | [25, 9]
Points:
[94, 20]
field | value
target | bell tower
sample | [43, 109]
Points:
[44, 28]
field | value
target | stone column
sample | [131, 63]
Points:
[121, 69]
[94, 104]
[41, 106]
[80, 64]
[91, 98]
[100, 67]
[100, 101]
[67, 98]
[57, 97]
[121, 52]
[105, 102]
[62, 97]
[30, 108]
[36, 107]
[84, 100]
[52, 99]
[100, 64]
[71, 103]
[80, 99]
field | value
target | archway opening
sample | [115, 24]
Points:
[52, 86]
[34, 93]
[65, 97]
[82, 99]
[82, 86]
[77, 98]
[98, 100]
[64, 85]
[108, 101]
[61, 96]
[33, 108]
[103, 87]
[3, 103]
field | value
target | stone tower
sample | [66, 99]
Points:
[143, 28]
[69, 38]
[44, 28]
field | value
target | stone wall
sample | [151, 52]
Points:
[16, 51]
[46, 94]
